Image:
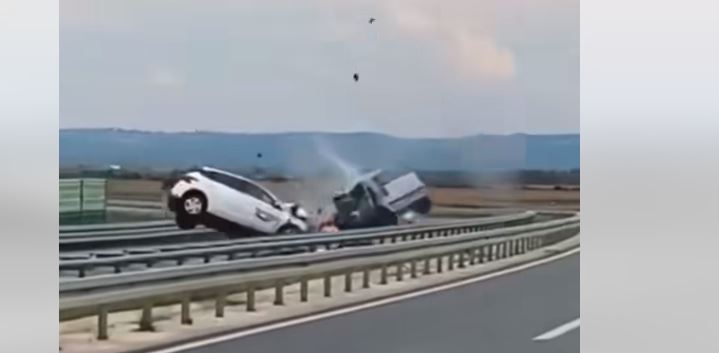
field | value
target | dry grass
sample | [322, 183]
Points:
[506, 197]
[527, 196]
[135, 190]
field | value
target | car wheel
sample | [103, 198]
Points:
[194, 204]
[423, 205]
[289, 230]
[386, 217]
[184, 222]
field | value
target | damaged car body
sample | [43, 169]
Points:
[231, 203]
[372, 201]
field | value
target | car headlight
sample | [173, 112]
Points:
[301, 213]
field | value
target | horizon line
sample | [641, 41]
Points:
[307, 132]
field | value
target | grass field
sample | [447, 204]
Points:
[309, 193]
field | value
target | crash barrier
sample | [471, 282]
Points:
[87, 230]
[134, 234]
[217, 281]
[294, 244]
[82, 198]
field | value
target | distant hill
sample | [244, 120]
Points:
[311, 152]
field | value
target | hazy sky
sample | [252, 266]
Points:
[427, 67]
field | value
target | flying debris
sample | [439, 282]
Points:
[259, 155]
[371, 20]
[356, 77]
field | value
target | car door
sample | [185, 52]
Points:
[268, 218]
[230, 200]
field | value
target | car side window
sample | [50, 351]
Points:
[241, 186]
[259, 194]
[228, 181]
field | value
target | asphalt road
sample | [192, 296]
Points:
[503, 314]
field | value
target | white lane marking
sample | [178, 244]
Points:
[558, 331]
[338, 312]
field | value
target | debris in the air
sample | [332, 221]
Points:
[371, 20]
[259, 155]
[356, 77]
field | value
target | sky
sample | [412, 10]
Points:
[427, 68]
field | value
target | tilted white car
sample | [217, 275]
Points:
[225, 201]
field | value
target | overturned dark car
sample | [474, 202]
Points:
[374, 201]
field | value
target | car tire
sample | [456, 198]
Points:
[194, 204]
[422, 206]
[190, 210]
[184, 222]
[386, 217]
[289, 229]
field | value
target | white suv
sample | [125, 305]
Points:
[225, 201]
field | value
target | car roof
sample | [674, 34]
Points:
[220, 171]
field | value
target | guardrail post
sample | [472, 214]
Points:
[512, 247]
[279, 293]
[102, 323]
[304, 290]
[400, 272]
[146, 318]
[413, 269]
[461, 259]
[365, 278]
[383, 275]
[439, 264]
[519, 246]
[328, 286]
[348, 281]
[505, 250]
[426, 270]
[251, 299]
[185, 318]
[220, 304]
[473, 256]
[450, 262]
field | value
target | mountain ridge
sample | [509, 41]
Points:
[311, 151]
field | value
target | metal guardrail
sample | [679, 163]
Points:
[184, 286]
[296, 243]
[144, 233]
[89, 228]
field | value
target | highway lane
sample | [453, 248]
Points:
[534, 310]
